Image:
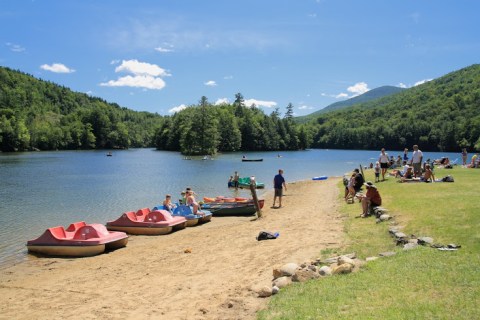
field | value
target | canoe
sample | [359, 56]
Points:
[147, 222]
[78, 240]
[187, 213]
[233, 208]
[251, 160]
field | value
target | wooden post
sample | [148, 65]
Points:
[253, 190]
[361, 169]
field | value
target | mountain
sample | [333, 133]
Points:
[40, 115]
[373, 94]
[440, 115]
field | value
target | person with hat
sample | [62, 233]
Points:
[371, 199]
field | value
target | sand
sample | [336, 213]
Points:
[153, 277]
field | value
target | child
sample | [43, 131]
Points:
[167, 203]
[377, 171]
[350, 187]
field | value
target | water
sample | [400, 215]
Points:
[39, 190]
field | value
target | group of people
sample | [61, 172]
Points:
[233, 181]
[368, 200]
[188, 198]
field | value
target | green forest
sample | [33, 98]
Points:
[440, 115]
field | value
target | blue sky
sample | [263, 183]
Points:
[162, 56]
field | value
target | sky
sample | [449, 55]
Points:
[163, 55]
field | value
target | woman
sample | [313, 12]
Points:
[384, 162]
[371, 199]
[193, 203]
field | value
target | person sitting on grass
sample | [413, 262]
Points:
[428, 176]
[370, 200]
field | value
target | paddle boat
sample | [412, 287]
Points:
[244, 183]
[231, 206]
[192, 219]
[147, 222]
[78, 240]
[320, 178]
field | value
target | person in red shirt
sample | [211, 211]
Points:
[372, 198]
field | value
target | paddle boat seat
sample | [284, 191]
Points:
[57, 233]
[143, 212]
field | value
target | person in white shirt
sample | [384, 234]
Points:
[416, 163]
[384, 162]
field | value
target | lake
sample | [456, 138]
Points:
[39, 190]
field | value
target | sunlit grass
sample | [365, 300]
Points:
[424, 283]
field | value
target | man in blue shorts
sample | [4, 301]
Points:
[278, 185]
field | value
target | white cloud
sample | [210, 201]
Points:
[260, 103]
[221, 101]
[304, 107]
[141, 68]
[210, 83]
[358, 88]
[228, 77]
[421, 82]
[140, 81]
[57, 68]
[402, 85]
[163, 50]
[15, 47]
[341, 95]
[145, 75]
[178, 108]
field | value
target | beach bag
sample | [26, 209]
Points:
[266, 235]
[448, 178]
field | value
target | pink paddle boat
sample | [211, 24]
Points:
[78, 240]
[147, 222]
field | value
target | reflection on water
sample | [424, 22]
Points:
[45, 189]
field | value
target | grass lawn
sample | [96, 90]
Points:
[424, 283]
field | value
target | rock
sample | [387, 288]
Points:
[325, 271]
[387, 254]
[410, 246]
[288, 269]
[303, 275]
[371, 259]
[275, 289]
[425, 241]
[277, 273]
[312, 267]
[282, 282]
[400, 235]
[393, 230]
[385, 217]
[265, 292]
[343, 259]
[343, 269]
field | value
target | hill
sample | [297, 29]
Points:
[37, 114]
[440, 115]
[373, 94]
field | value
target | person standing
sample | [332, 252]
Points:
[405, 154]
[236, 177]
[278, 184]
[417, 158]
[464, 156]
[384, 162]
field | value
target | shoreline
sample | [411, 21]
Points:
[153, 277]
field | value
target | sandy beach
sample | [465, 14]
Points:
[153, 277]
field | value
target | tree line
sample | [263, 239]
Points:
[440, 115]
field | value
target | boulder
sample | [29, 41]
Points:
[344, 259]
[282, 282]
[425, 241]
[302, 275]
[275, 290]
[288, 269]
[343, 269]
[325, 271]
[265, 292]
